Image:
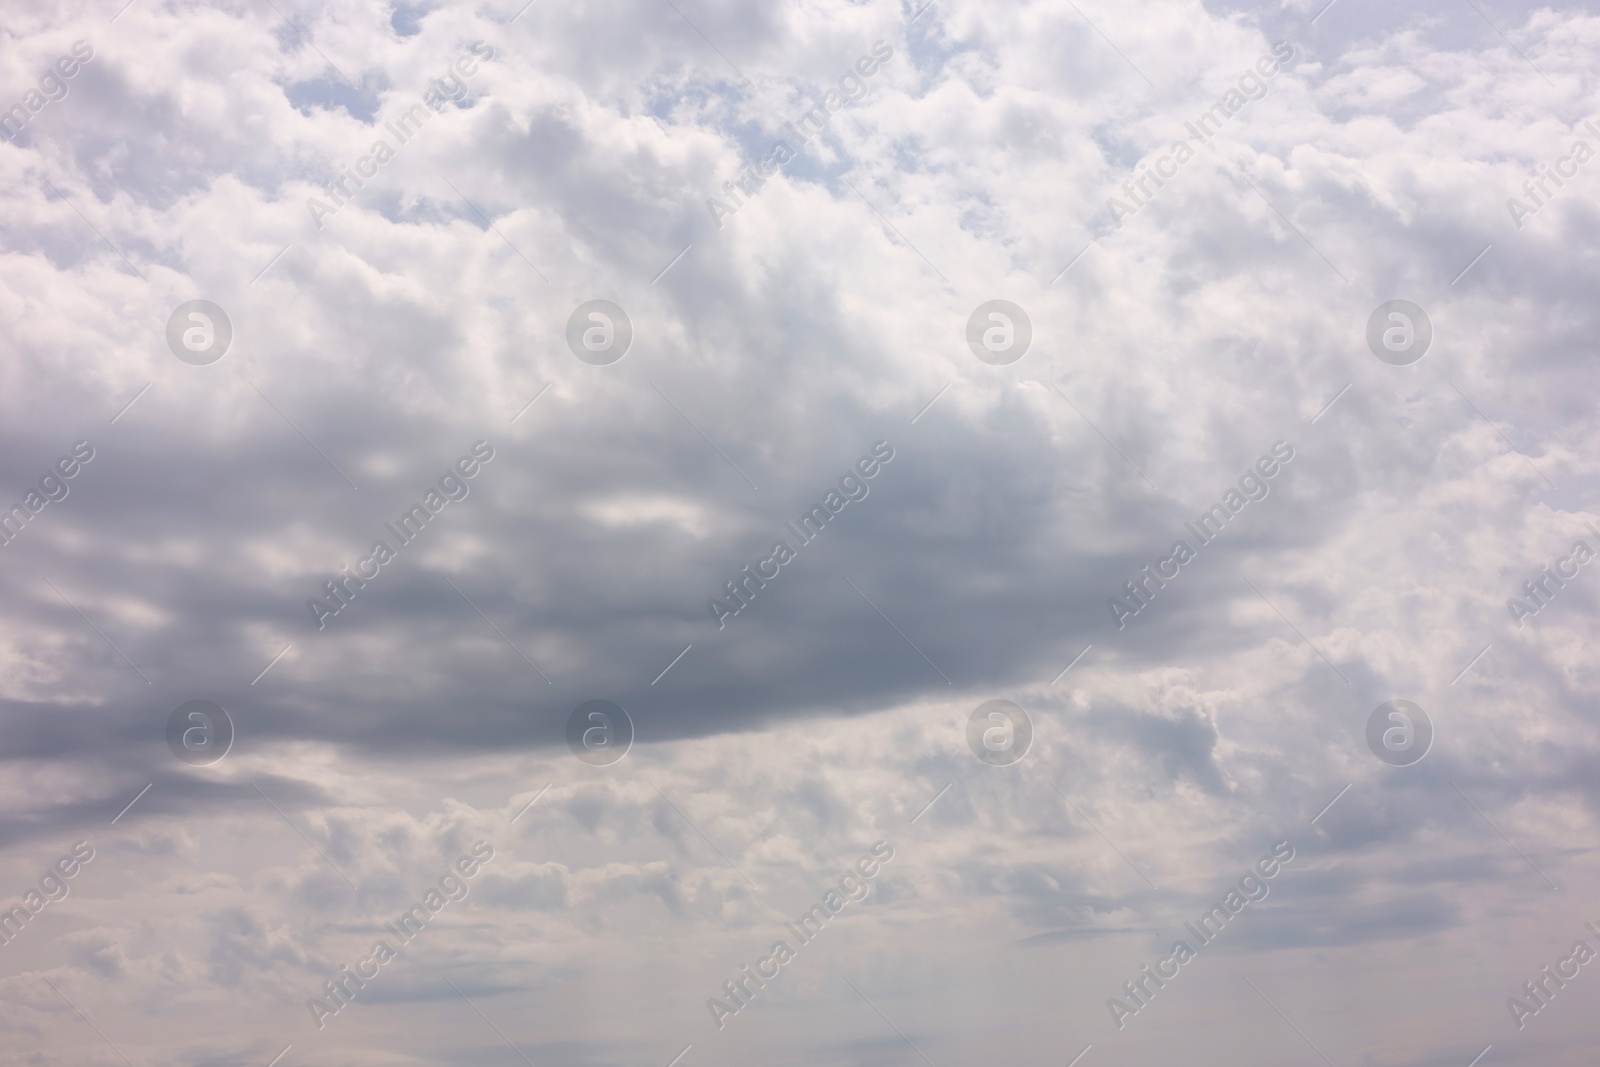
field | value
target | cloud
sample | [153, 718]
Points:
[827, 314]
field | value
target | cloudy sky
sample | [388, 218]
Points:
[277, 274]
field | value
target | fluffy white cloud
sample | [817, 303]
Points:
[772, 347]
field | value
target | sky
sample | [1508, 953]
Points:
[676, 533]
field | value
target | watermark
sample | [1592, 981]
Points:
[853, 886]
[852, 486]
[341, 990]
[1537, 190]
[853, 87]
[599, 732]
[743, 187]
[1251, 889]
[53, 887]
[1542, 990]
[999, 332]
[599, 332]
[199, 732]
[453, 488]
[1253, 487]
[1252, 85]
[52, 488]
[440, 93]
[1399, 332]
[1541, 589]
[1399, 733]
[199, 332]
[999, 732]
[52, 87]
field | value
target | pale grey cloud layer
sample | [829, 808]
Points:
[400, 207]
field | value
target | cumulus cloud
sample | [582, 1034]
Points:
[397, 311]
